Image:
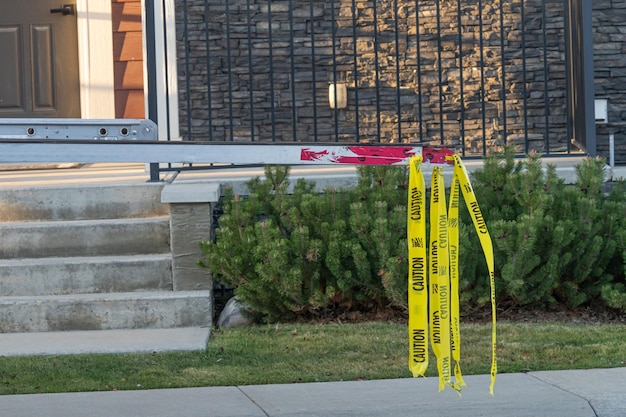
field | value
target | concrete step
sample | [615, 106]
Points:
[82, 202]
[62, 276]
[104, 341]
[84, 238]
[138, 310]
[87, 267]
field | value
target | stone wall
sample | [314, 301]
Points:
[609, 21]
[259, 70]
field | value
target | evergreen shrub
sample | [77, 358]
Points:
[297, 252]
[554, 243]
[303, 253]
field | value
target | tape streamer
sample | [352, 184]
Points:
[433, 281]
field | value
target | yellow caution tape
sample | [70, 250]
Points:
[418, 290]
[487, 246]
[453, 242]
[434, 299]
[436, 328]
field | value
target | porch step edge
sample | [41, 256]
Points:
[104, 341]
[85, 275]
[106, 311]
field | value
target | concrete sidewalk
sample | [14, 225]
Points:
[578, 393]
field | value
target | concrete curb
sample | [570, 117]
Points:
[579, 393]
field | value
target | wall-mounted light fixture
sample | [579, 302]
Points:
[338, 95]
[601, 110]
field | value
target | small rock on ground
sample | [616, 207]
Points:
[233, 315]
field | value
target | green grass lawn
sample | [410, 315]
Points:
[291, 353]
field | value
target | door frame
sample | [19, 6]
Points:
[95, 35]
[165, 92]
[97, 91]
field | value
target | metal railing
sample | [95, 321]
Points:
[470, 75]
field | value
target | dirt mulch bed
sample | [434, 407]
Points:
[588, 314]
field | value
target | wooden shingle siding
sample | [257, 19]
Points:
[128, 59]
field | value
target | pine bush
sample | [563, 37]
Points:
[295, 252]
[554, 244]
[613, 293]
[307, 254]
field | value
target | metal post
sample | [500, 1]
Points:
[580, 77]
[612, 150]
[151, 76]
[589, 87]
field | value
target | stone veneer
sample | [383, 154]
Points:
[234, 54]
[609, 55]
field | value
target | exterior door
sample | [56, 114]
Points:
[39, 75]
